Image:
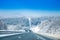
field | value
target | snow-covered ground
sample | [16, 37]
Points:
[4, 35]
[49, 26]
[49, 35]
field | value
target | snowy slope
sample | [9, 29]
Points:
[51, 25]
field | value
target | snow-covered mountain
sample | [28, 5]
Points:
[45, 24]
[21, 22]
[15, 23]
[51, 25]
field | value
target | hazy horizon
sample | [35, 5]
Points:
[28, 13]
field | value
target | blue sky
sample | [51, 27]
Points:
[31, 5]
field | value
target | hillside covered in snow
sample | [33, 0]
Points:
[46, 24]
[51, 25]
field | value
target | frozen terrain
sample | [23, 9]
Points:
[40, 25]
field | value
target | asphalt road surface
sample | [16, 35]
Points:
[26, 36]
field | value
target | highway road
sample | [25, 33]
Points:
[26, 36]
